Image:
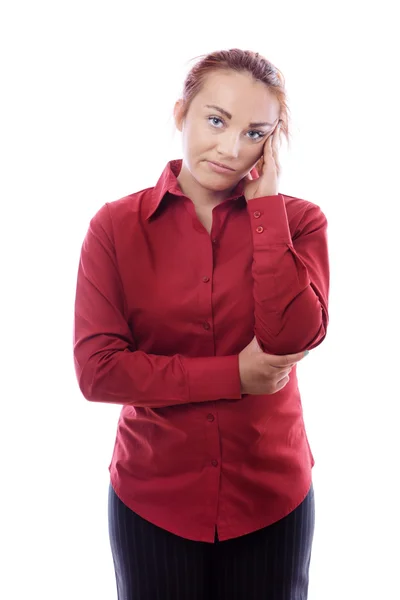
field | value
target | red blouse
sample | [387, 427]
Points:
[162, 310]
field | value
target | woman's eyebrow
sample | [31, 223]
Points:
[229, 116]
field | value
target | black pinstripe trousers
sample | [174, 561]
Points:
[153, 564]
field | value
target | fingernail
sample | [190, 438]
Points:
[306, 352]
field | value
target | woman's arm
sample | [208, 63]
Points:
[291, 276]
[108, 366]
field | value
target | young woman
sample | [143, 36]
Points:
[195, 301]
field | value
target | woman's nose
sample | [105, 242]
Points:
[229, 146]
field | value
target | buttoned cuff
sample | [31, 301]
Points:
[268, 219]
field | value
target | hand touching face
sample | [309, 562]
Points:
[268, 168]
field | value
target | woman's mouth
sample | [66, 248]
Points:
[218, 168]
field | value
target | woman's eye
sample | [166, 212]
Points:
[213, 120]
[259, 134]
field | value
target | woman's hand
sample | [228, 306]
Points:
[262, 373]
[268, 167]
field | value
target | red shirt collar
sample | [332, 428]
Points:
[168, 183]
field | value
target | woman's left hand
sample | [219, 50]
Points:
[267, 182]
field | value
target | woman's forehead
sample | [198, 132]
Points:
[238, 94]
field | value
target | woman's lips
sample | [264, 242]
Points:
[218, 168]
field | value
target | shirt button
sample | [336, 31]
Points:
[257, 214]
[260, 229]
[210, 418]
[214, 463]
[206, 279]
[214, 240]
[206, 325]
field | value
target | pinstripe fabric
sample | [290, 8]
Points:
[153, 564]
[269, 564]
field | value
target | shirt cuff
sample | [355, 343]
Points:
[268, 219]
[213, 378]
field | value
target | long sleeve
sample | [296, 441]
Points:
[291, 276]
[108, 366]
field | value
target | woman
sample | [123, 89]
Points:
[195, 301]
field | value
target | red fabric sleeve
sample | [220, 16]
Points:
[291, 276]
[108, 366]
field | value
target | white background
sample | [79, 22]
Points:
[86, 117]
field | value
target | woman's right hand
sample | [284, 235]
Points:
[262, 373]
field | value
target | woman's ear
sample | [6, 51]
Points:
[178, 114]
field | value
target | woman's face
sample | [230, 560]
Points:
[228, 122]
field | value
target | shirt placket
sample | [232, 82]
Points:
[212, 449]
